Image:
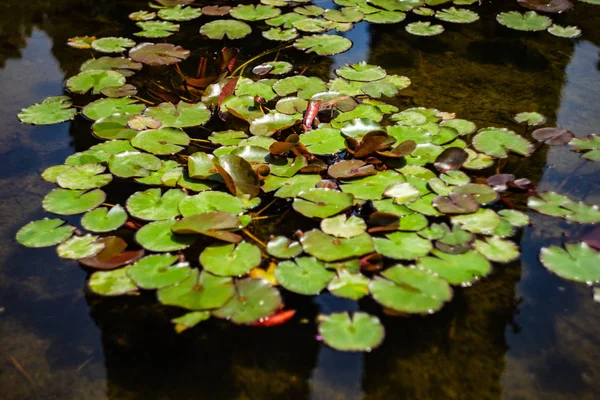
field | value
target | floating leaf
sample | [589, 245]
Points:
[158, 271]
[305, 275]
[157, 236]
[190, 320]
[456, 203]
[199, 291]
[577, 262]
[529, 21]
[550, 203]
[342, 226]
[161, 141]
[323, 45]
[282, 35]
[157, 29]
[322, 203]
[114, 127]
[88, 176]
[81, 42]
[457, 15]
[482, 193]
[372, 187]
[410, 290]
[113, 255]
[569, 32]
[514, 217]
[290, 187]
[424, 29]
[142, 15]
[282, 247]
[323, 141]
[361, 332]
[122, 65]
[273, 68]
[104, 220]
[254, 299]
[220, 28]
[496, 142]
[251, 12]
[483, 221]
[179, 13]
[238, 175]
[216, 10]
[348, 285]
[181, 115]
[456, 268]
[106, 107]
[451, 158]
[133, 164]
[329, 248]
[80, 247]
[361, 72]
[403, 246]
[385, 17]
[95, 80]
[44, 233]
[150, 206]
[230, 259]
[590, 142]
[269, 124]
[553, 136]
[112, 44]
[402, 193]
[531, 118]
[158, 54]
[111, 283]
[52, 110]
[70, 202]
[497, 250]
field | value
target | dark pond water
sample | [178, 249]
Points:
[521, 333]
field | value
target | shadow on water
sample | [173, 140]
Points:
[520, 333]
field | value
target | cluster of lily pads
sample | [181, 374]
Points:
[394, 215]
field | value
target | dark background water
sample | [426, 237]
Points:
[520, 333]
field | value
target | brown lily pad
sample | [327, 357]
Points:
[158, 54]
[112, 255]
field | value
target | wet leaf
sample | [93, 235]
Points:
[88, 176]
[269, 124]
[220, 28]
[361, 72]
[112, 44]
[342, 226]
[133, 164]
[483, 221]
[158, 54]
[457, 15]
[148, 205]
[216, 10]
[569, 32]
[456, 203]
[111, 283]
[372, 187]
[290, 187]
[403, 246]
[349, 285]
[590, 142]
[482, 193]
[451, 158]
[550, 203]
[553, 136]
[44, 233]
[190, 319]
[304, 275]
[179, 13]
[70, 202]
[577, 262]
[254, 300]
[424, 29]
[199, 291]
[230, 259]
[251, 12]
[238, 174]
[157, 236]
[323, 141]
[95, 80]
[158, 271]
[103, 219]
[142, 15]
[531, 118]
[329, 248]
[528, 21]
[497, 142]
[549, 6]
[282, 247]
[113, 255]
[361, 332]
[323, 45]
[80, 247]
[81, 42]
[52, 110]
[456, 268]
[322, 203]
[106, 107]
[497, 250]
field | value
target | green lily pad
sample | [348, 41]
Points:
[254, 299]
[148, 205]
[345, 14]
[361, 332]
[388, 86]
[157, 29]
[402, 193]
[133, 164]
[190, 320]
[342, 226]
[515, 218]
[497, 249]
[210, 201]
[312, 25]
[322, 203]
[282, 247]
[304, 275]
[87, 176]
[569, 32]
[220, 28]
[122, 65]
[323, 141]
[199, 291]
[157, 236]
[457, 15]
[462, 126]
[111, 283]
[403, 246]
[161, 141]
[70, 202]
[497, 142]
[323, 45]
[251, 12]
[305, 87]
[104, 220]
[244, 107]
[385, 17]
[424, 29]
[114, 127]
[309, 10]
[410, 290]
[81, 42]
[158, 271]
[290, 187]
[483, 221]
[456, 268]
[80, 247]
[582, 213]
[528, 21]
[281, 35]
[238, 174]
[531, 118]
[372, 187]
[577, 262]
[329, 248]
[590, 142]
[483, 194]
[52, 110]
[112, 44]
[179, 13]
[230, 259]
[181, 115]
[477, 160]
[286, 21]
[550, 203]
[167, 169]
[107, 107]
[262, 89]
[142, 15]
[271, 123]
[392, 5]
[349, 285]
[44, 233]
[95, 80]
[276, 67]
[158, 53]
[227, 138]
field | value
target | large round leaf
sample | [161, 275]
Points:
[114, 127]
[497, 249]
[251, 12]
[44, 233]
[323, 45]
[133, 164]
[179, 13]
[158, 54]
[329, 248]
[225, 27]
[111, 283]
[529, 21]
[150, 206]
[199, 291]
[52, 110]
[361, 332]
[361, 72]
[181, 115]
[254, 299]
[95, 80]
[282, 247]
[403, 246]
[230, 259]
[107, 107]
[70, 202]
[304, 275]
[577, 262]
[496, 142]
[112, 44]
[349, 285]
[456, 268]
[161, 141]
[80, 247]
[158, 271]
[157, 236]
[87, 176]
[322, 203]
[104, 220]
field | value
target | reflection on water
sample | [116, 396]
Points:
[521, 333]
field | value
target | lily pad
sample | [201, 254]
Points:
[410, 290]
[87, 176]
[44, 233]
[70, 202]
[590, 142]
[342, 226]
[456, 268]
[385, 17]
[577, 262]
[290, 187]
[497, 142]
[181, 115]
[81, 42]
[480, 192]
[402, 193]
[271, 123]
[230, 259]
[457, 15]
[80, 247]
[199, 291]
[157, 236]
[161, 141]
[403, 246]
[372, 187]
[122, 65]
[323, 141]
[157, 29]
[111, 283]
[251, 12]
[113, 255]
[104, 220]
[210, 201]
[158, 271]
[282, 35]
[142, 15]
[553, 136]
[529, 21]
[361, 332]
[329, 248]
[497, 249]
[569, 32]
[112, 44]
[282, 247]
[190, 320]
[106, 107]
[550, 203]
[424, 29]
[238, 174]
[179, 13]
[148, 205]
[345, 14]
[483, 221]
[456, 203]
[114, 127]
[551, 6]
[220, 28]
[274, 67]
[254, 299]
[532, 118]
[95, 80]
[133, 164]
[349, 285]
[322, 203]
[304, 275]
[158, 54]
[323, 45]
[52, 110]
